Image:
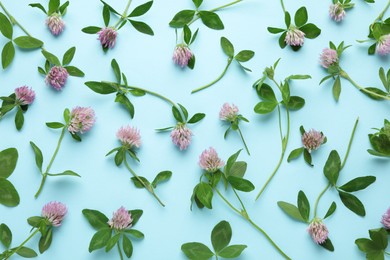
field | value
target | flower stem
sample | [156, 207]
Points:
[51, 162]
[380, 16]
[243, 140]
[123, 17]
[227, 202]
[350, 143]
[318, 199]
[284, 9]
[216, 80]
[24, 242]
[120, 251]
[344, 75]
[13, 20]
[147, 187]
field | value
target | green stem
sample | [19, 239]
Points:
[147, 187]
[243, 140]
[120, 251]
[24, 242]
[124, 15]
[318, 199]
[13, 20]
[380, 16]
[284, 8]
[350, 143]
[216, 80]
[51, 162]
[239, 199]
[227, 202]
[387, 253]
[344, 75]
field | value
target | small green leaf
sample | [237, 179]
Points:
[35, 221]
[135, 233]
[5, 235]
[301, 17]
[66, 115]
[232, 251]
[5, 26]
[287, 19]
[196, 118]
[285, 89]
[122, 99]
[232, 159]
[303, 206]
[196, 250]
[28, 42]
[291, 210]
[197, 3]
[311, 31]
[127, 247]
[227, 47]
[274, 30]
[352, 203]
[336, 88]
[295, 103]
[141, 9]
[374, 92]
[244, 55]
[211, 20]
[63, 7]
[100, 239]
[8, 160]
[137, 92]
[332, 167]
[140, 182]
[119, 156]
[379, 237]
[161, 177]
[176, 114]
[68, 56]
[65, 173]
[307, 157]
[19, 119]
[266, 92]
[359, 183]
[95, 218]
[8, 195]
[142, 27]
[371, 49]
[74, 71]
[45, 240]
[328, 245]
[241, 184]
[238, 169]
[366, 245]
[91, 29]
[112, 242]
[136, 215]
[117, 70]
[204, 193]
[331, 210]
[38, 156]
[100, 87]
[265, 107]
[106, 15]
[26, 252]
[51, 58]
[53, 6]
[55, 125]
[187, 34]
[7, 54]
[295, 154]
[182, 18]
[221, 235]
[185, 112]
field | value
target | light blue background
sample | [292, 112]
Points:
[147, 63]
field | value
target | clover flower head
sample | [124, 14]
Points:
[121, 219]
[181, 136]
[107, 37]
[228, 112]
[210, 161]
[54, 212]
[386, 219]
[55, 24]
[383, 46]
[337, 12]
[182, 55]
[312, 140]
[294, 37]
[24, 95]
[318, 231]
[328, 57]
[81, 120]
[57, 77]
[129, 136]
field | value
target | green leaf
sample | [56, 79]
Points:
[8, 160]
[119, 156]
[295, 154]
[300, 17]
[221, 235]
[5, 26]
[227, 47]
[265, 107]
[38, 156]
[95, 218]
[196, 118]
[177, 115]
[63, 7]
[68, 56]
[311, 31]
[185, 112]
[303, 206]
[379, 237]
[55, 125]
[298, 76]
[127, 246]
[285, 89]
[138, 183]
[100, 87]
[359, 183]
[266, 92]
[122, 99]
[141, 9]
[51, 58]
[336, 88]
[196, 250]
[244, 55]
[5, 235]
[238, 169]
[112, 242]
[111, 9]
[19, 119]
[187, 34]
[142, 27]
[377, 91]
[328, 245]
[307, 157]
[7, 54]
[91, 29]
[100, 239]
[65, 173]
[383, 78]
[274, 30]
[331, 210]
[53, 6]
[161, 177]
[291, 210]
[35, 221]
[28, 42]
[136, 215]
[137, 92]
[211, 20]
[287, 19]
[74, 71]
[332, 167]
[182, 18]
[371, 49]
[26, 252]
[135, 233]
[76, 137]
[366, 245]
[232, 251]
[204, 193]
[352, 203]
[232, 159]
[295, 103]
[197, 3]
[117, 70]
[240, 184]
[106, 15]
[45, 241]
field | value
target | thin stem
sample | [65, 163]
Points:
[24, 242]
[284, 8]
[344, 75]
[280, 123]
[120, 251]
[318, 199]
[380, 16]
[147, 187]
[227, 202]
[243, 140]
[124, 14]
[350, 143]
[224, 6]
[216, 80]
[239, 199]
[13, 20]
[387, 253]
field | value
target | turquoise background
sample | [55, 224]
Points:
[147, 63]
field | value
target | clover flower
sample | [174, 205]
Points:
[210, 161]
[386, 219]
[337, 12]
[383, 47]
[81, 119]
[107, 37]
[54, 212]
[57, 77]
[328, 57]
[24, 95]
[294, 37]
[181, 136]
[121, 219]
[129, 136]
[318, 231]
[228, 112]
[182, 55]
[312, 140]
[55, 24]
